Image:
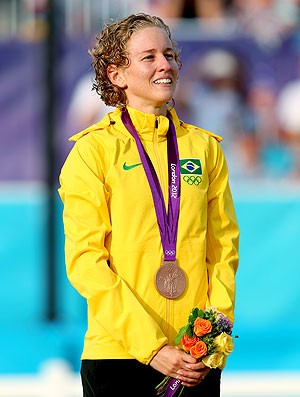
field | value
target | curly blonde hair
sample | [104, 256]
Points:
[110, 49]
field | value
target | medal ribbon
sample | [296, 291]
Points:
[173, 386]
[167, 222]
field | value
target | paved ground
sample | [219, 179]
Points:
[261, 384]
[55, 379]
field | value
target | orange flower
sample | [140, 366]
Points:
[188, 342]
[202, 326]
[198, 350]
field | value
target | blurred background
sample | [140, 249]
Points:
[240, 79]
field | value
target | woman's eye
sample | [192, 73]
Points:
[169, 56]
[148, 57]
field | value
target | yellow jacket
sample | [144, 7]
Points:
[113, 245]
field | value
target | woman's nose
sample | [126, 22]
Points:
[163, 63]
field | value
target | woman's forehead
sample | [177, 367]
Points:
[149, 38]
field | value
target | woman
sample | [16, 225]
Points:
[143, 247]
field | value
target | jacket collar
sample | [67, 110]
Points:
[146, 124]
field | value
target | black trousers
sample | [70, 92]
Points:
[114, 378]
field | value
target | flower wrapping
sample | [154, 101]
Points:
[207, 336]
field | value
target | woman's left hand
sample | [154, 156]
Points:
[178, 364]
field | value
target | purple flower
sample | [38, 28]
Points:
[224, 324]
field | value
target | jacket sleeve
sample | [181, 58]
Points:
[87, 225]
[222, 237]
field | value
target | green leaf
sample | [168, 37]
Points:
[195, 313]
[180, 334]
[190, 330]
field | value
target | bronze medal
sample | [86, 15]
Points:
[170, 280]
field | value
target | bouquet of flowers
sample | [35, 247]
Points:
[206, 337]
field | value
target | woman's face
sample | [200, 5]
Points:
[150, 79]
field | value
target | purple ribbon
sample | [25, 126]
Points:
[173, 386]
[167, 222]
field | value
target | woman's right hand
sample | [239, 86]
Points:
[179, 365]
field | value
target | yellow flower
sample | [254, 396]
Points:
[224, 343]
[215, 360]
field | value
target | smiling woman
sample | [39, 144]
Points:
[149, 81]
[149, 221]
[118, 47]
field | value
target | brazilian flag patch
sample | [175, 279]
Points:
[191, 171]
[190, 167]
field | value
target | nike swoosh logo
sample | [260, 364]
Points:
[129, 167]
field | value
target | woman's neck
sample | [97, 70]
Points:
[157, 110]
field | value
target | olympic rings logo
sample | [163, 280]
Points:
[192, 179]
[170, 252]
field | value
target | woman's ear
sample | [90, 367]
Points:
[115, 75]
